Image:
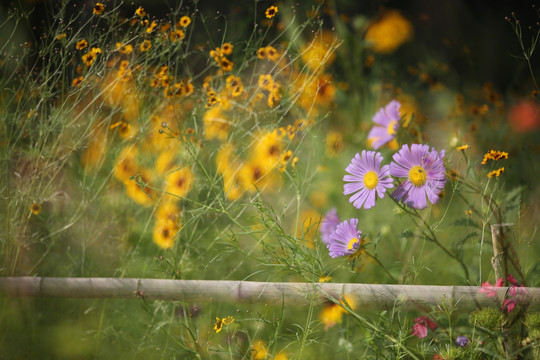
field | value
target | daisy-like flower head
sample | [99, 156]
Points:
[345, 239]
[424, 172]
[367, 179]
[329, 224]
[145, 45]
[271, 11]
[35, 208]
[81, 44]
[99, 8]
[140, 12]
[387, 123]
[184, 21]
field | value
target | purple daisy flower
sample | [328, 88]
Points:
[424, 171]
[329, 224]
[462, 341]
[346, 239]
[367, 178]
[387, 120]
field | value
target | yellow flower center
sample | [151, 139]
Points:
[390, 129]
[371, 180]
[418, 175]
[351, 243]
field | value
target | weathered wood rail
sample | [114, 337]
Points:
[367, 296]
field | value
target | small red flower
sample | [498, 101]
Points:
[420, 329]
[489, 289]
[511, 280]
[509, 305]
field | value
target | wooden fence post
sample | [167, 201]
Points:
[505, 260]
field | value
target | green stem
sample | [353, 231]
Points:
[382, 266]
[429, 234]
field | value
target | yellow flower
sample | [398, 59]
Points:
[126, 164]
[151, 27]
[140, 12]
[138, 190]
[93, 155]
[61, 36]
[314, 91]
[495, 173]
[325, 278]
[463, 147]
[334, 143]
[99, 8]
[259, 351]
[407, 109]
[184, 21]
[234, 85]
[494, 155]
[227, 48]
[272, 53]
[145, 45]
[77, 81]
[294, 162]
[265, 81]
[261, 53]
[228, 167]
[167, 212]
[164, 234]
[226, 64]
[165, 27]
[188, 87]
[308, 226]
[320, 52]
[285, 157]
[177, 35]
[268, 149]
[271, 11]
[389, 32]
[35, 208]
[332, 313]
[91, 56]
[254, 176]
[81, 44]
[216, 124]
[221, 322]
[179, 182]
[165, 161]
[124, 48]
[127, 131]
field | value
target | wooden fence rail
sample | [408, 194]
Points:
[367, 296]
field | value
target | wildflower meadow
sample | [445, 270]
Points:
[269, 180]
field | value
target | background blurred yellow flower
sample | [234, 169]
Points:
[389, 32]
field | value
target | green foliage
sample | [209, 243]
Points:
[192, 142]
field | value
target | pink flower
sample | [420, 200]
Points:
[509, 305]
[420, 329]
[511, 280]
[489, 289]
